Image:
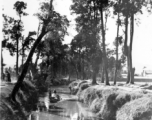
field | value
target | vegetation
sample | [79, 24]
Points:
[136, 110]
[27, 99]
[113, 103]
[88, 59]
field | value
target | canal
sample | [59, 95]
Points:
[69, 108]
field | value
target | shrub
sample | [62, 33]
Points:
[74, 87]
[138, 109]
[96, 105]
[26, 102]
[82, 87]
[114, 101]
[88, 95]
[106, 100]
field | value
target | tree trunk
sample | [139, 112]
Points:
[79, 65]
[126, 47]
[103, 73]
[26, 65]
[104, 48]
[23, 56]
[17, 58]
[22, 52]
[130, 51]
[2, 75]
[117, 45]
[94, 77]
[95, 72]
[115, 75]
[128, 69]
[83, 73]
[69, 72]
[77, 73]
[132, 77]
[37, 58]
[17, 42]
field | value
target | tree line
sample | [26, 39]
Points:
[87, 55]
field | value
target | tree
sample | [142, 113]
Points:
[50, 20]
[101, 5]
[87, 41]
[128, 10]
[54, 51]
[118, 39]
[26, 44]
[5, 42]
[18, 28]
[13, 30]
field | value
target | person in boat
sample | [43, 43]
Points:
[55, 97]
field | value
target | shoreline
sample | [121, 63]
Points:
[111, 102]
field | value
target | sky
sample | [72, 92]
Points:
[142, 44]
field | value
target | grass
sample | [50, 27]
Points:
[82, 87]
[106, 101]
[77, 85]
[26, 102]
[138, 109]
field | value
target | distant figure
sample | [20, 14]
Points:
[3, 76]
[7, 76]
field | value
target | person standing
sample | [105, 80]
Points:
[7, 76]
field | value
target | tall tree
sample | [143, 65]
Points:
[50, 20]
[7, 30]
[129, 9]
[87, 39]
[118, 39]
[101, 6]
[19, 6]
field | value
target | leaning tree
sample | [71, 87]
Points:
[50, 20]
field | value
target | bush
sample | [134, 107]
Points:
[87, 95]
[40, 84]
[74, 86]
[138, 109]
[106, 100]
[96, 105]
[82, 87]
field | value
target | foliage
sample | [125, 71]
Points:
[85, 45]
[12, 28]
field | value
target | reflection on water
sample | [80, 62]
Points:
[64, 110]
[73, 110]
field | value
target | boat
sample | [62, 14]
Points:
[55, 100]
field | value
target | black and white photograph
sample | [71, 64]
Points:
[76, 60]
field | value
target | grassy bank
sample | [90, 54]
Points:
[123, 102]
[27, 99]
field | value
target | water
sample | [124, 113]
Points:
[67, 109]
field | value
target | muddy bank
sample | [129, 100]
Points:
[124, 102]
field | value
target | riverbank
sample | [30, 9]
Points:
[120, 102]
[27, 98]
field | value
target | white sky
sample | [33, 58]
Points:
[142, 44]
